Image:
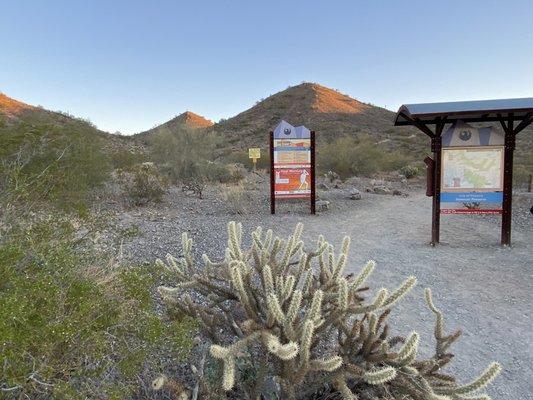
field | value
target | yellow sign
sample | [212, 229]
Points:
[254, 152]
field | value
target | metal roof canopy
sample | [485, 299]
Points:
[506, 111]
[467, 111]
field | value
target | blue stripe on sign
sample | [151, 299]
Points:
[460, 197]
[291, 148]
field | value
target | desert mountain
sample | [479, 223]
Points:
[187, 119]
[17, 117]
[13, 111]
[330, 113]
[12, 108]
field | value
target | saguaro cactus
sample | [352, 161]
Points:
[309, 322]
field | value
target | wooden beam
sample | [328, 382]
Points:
[423, 127]
[419, 124]
[436, 146]
[528, 119]
[272, 175]
[503, 124]
[507, 209]
[313, 171]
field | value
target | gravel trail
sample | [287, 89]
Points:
[483, 289]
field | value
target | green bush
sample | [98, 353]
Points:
[72, 324]
[43, 161]
[187, 157]
[143, 184]
[410, 171]
[348, 156]
[523, 166]
[127, 158]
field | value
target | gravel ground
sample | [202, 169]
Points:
[482, 288]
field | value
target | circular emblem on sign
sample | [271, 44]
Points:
[465, 136]
[287, 131]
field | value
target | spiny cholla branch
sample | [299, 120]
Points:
[297, 307]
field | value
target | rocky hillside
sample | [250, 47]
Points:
[188, 120]
[330, 113]
[11, 108]
[13, 111]
[16, 117]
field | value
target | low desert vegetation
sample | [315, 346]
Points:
[523, 168]
[76, 323]
[410, 171]
[42, 161]
[348, 156]
[285, 322]
[236, 197]
[142, 184]
[187, 157]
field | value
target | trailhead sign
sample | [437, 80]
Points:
[472, 170]
[292, 163]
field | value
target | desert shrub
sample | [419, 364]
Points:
[410, 171]
[187, 157]
[125, 158]
[182, 153]
[41, 161]
[521, 175]
[236, 198]
[223, 173]
[523, 166]
[75, 323]
[348, 156]
[143, 184]
[307, 326]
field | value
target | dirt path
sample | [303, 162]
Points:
[482, 288]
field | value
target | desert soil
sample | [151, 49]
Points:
[482, 288]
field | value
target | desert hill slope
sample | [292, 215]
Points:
[11, 108]
[187, 120]
[16, 116]
[330, 113]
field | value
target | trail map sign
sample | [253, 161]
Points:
[466, 170]
[292, 172]
[472, 170]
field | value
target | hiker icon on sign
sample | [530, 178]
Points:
[303, 180]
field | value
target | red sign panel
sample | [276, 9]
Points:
[470, 211]
[291, 183]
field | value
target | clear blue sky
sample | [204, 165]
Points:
[129, 65]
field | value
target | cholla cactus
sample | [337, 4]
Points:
[309, 324]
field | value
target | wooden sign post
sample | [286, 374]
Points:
[292, 164]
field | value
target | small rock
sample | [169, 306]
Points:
[355, 194]
[323, 186]
[322, 205]
[382, 190]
